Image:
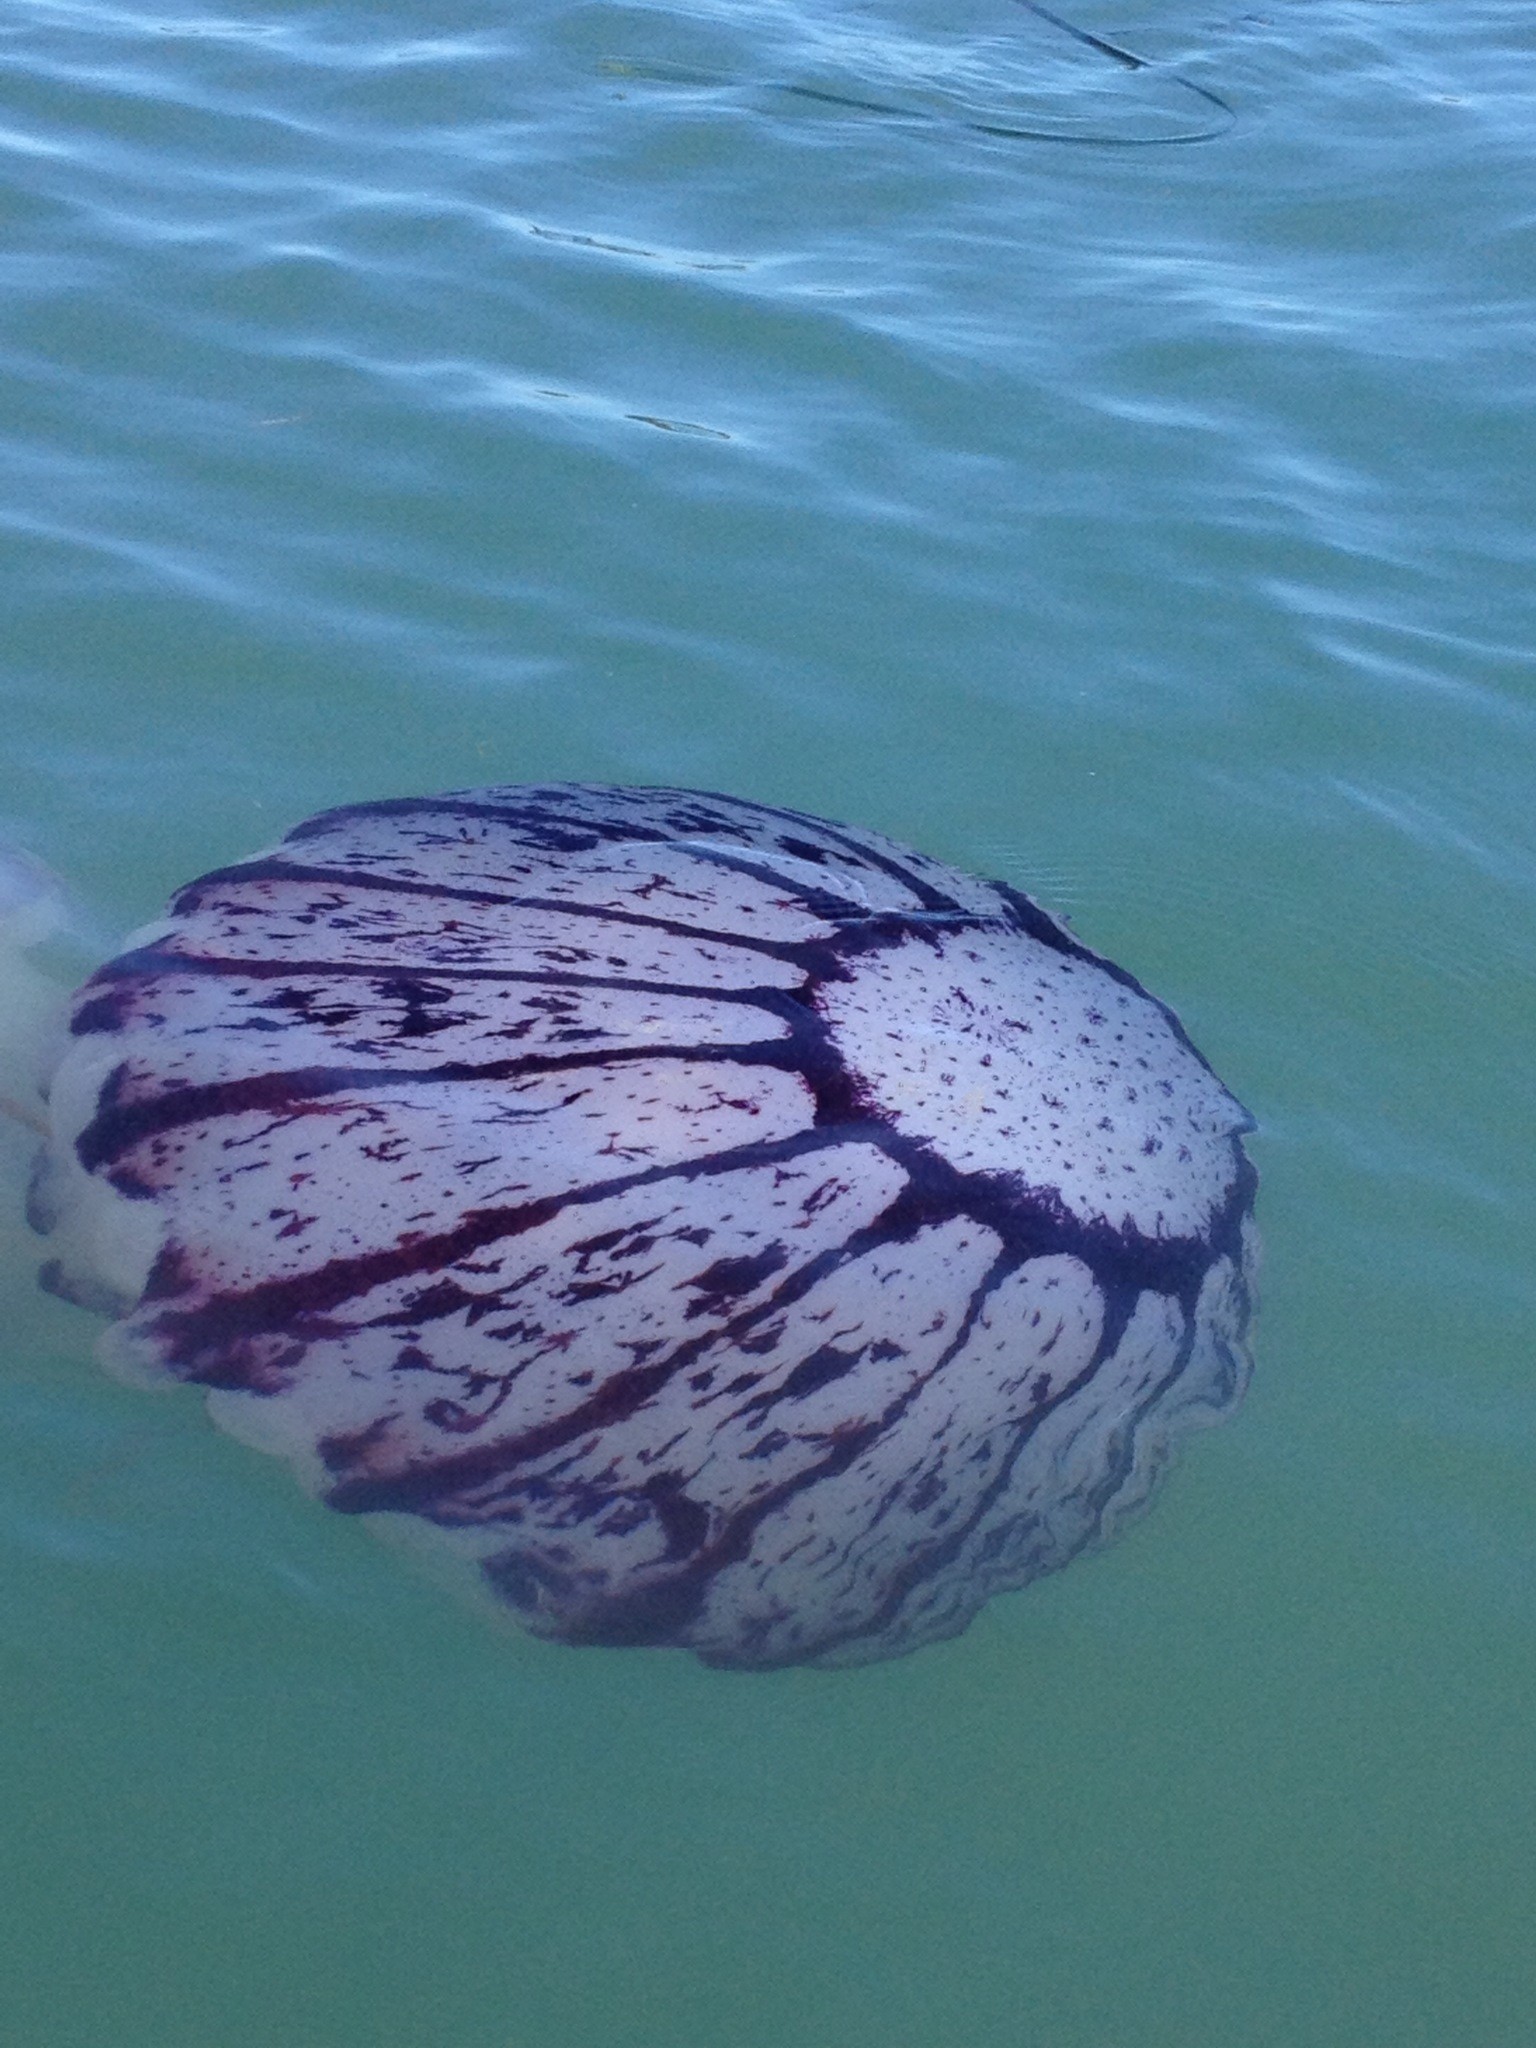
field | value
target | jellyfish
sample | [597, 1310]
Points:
[45, 943]
[713, 1226]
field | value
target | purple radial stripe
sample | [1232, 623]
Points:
[120, 1124]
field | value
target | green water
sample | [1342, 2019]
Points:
[404, 398]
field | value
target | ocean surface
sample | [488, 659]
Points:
[876, 408]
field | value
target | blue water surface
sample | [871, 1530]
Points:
[405, 397]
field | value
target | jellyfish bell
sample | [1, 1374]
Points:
[719, 1227]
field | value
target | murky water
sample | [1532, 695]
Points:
[406, 399]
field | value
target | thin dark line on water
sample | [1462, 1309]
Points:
[1132, 62]
[1004, 131]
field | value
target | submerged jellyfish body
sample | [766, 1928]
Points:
[726, 1229]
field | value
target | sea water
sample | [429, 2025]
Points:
[403, 397]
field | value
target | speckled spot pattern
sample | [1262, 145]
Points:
[727, 1229]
